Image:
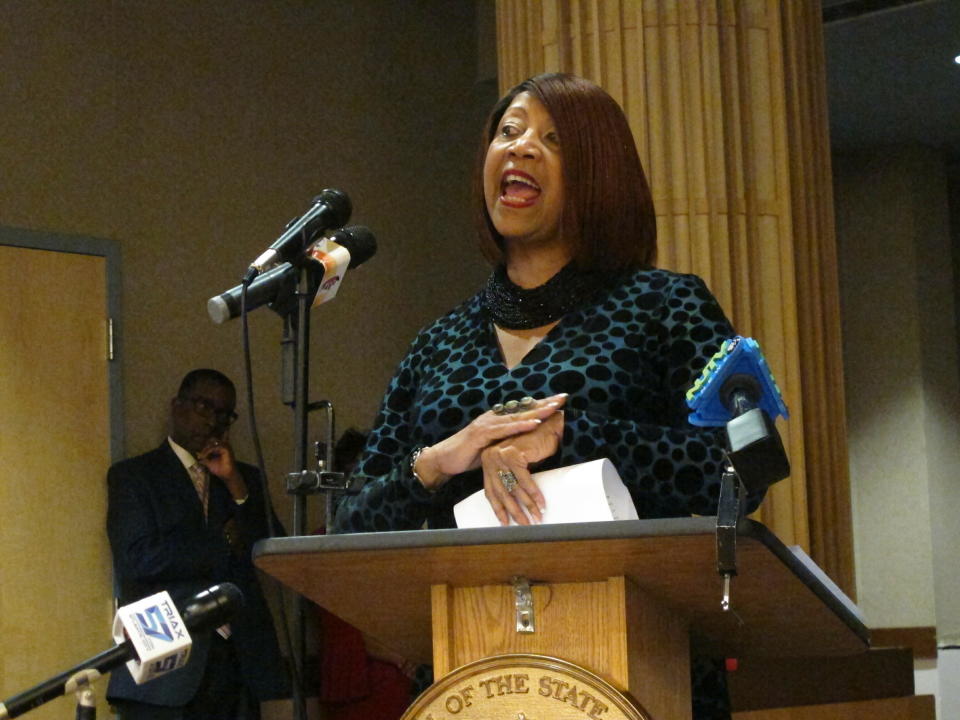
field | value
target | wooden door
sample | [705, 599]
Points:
[55, 586]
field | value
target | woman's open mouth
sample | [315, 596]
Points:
[518, 189]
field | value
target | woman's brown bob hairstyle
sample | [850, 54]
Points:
[608, 217]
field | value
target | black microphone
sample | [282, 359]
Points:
[331, 209]
[211, 608]
[756, 449]
[206, 610]
[281, 281]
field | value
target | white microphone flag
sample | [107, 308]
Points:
[158, 635]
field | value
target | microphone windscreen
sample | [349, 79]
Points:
[740, 384]
[212, 607]
[359, 242]
[339, 206]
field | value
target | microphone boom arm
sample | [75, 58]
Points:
[57, 686]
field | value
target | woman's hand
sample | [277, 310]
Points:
[461, 452]
[515, 455]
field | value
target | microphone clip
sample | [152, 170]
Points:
[310, 482]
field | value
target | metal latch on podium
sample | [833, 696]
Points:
[523, 601]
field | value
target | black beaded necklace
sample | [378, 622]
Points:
[515, 308]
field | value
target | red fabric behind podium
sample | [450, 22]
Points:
[353, 685]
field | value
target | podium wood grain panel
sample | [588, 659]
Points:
[610, 628]
[659, 654]
[571, 622]
[441, 600]
[381, 582]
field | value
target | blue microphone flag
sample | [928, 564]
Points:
[737, 356]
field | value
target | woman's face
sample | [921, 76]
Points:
[523, 175]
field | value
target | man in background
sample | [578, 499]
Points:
[181, 518]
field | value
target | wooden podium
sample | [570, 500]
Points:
[625, 600]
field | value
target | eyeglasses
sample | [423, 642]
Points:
[204, 407]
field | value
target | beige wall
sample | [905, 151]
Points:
[191, 132]
[900, 356]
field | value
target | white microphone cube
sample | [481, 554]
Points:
[158, 634]
[335, 259]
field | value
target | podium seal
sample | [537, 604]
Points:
[523, 687]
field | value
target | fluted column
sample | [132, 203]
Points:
[718, 93]
[818, 292]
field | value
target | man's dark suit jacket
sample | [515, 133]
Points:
[160, 541]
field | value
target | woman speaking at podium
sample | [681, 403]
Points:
[577, 348]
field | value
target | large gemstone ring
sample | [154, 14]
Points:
[508, 479]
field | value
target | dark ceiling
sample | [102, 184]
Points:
[891, 75]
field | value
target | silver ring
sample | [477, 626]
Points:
[508, 479]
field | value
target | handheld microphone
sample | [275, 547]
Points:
[355, 244]
[736, 389]
[206, 610]
[331, 209]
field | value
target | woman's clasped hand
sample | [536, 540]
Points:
[506, 442]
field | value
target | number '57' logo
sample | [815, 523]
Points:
[154, 625]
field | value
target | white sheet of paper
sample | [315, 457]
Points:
[587, 492]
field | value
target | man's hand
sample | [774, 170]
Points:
[219, 459]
